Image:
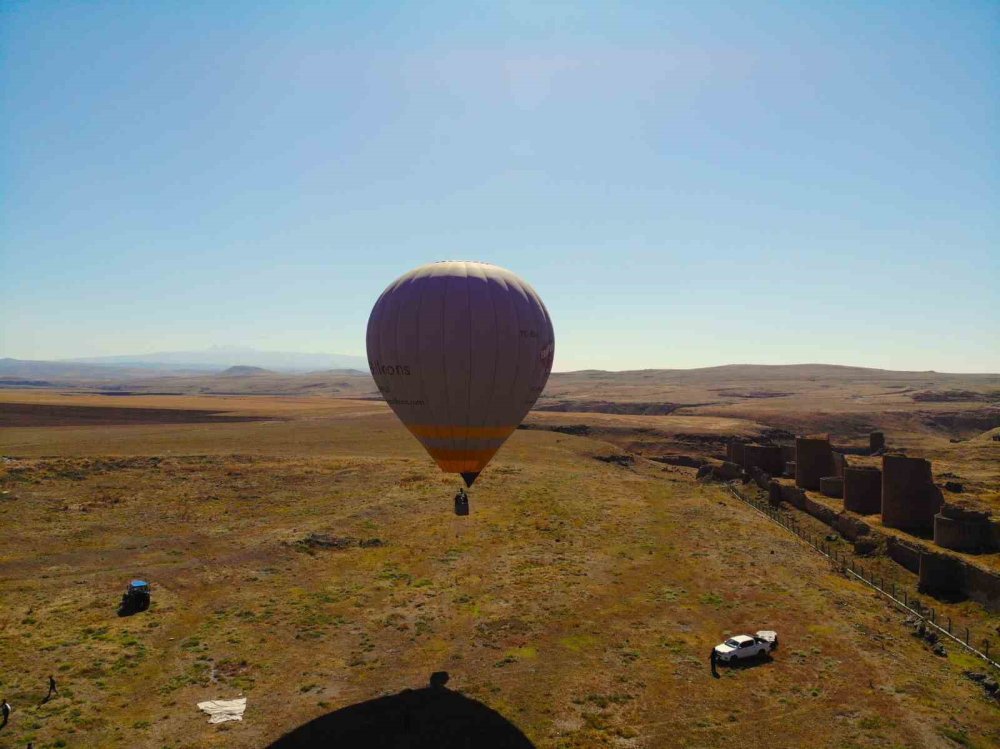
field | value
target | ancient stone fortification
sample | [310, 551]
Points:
[760, 477]
[850, 527]
[766, 457]
[963, 529]
[793, 495]
[839, 464]
[982, 586]
[941, 574]
[813, 461]
[904, 554]
[774, 493]
[725, 471]
[832, 486]
[820, 510]
[909, 498]
[863, 490]
[734, 452]
[905, 494]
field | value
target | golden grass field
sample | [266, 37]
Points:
[579, 600]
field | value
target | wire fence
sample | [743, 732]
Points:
[927, 616]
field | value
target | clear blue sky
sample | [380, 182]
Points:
[684, 184]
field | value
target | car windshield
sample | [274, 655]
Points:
[732, 643]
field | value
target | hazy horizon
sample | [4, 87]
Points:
[249, 351]
[683, 186]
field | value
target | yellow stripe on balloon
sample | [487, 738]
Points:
[459, 461]
[435, 431]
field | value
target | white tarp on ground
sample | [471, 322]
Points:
[220, 711]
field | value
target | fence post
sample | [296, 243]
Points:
[966, 635]
[894, 590]
[904, 598]
[949, 625]
[986, 648]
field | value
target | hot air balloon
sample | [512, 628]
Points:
[460, 351]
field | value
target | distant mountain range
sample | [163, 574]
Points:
[223, 357]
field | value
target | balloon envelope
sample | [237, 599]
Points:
[461, 352]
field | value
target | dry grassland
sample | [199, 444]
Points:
[579, 600]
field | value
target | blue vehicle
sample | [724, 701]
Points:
[136, 597]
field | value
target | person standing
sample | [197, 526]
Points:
[5, 708]
[52, 688]
[713, 660]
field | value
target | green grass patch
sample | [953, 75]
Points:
[579, 642]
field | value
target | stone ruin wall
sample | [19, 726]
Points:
[910, 500]
[914, 504]
[766, 457]
[863, 490]
[938, 572]
[963, 529]
[813, 461]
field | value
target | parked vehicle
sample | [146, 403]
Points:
[741, 647]
[136, 597]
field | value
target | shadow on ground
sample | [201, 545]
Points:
[430, 718]
[742, 664]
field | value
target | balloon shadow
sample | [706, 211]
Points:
[430, 718]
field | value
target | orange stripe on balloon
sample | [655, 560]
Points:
[435, 431]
